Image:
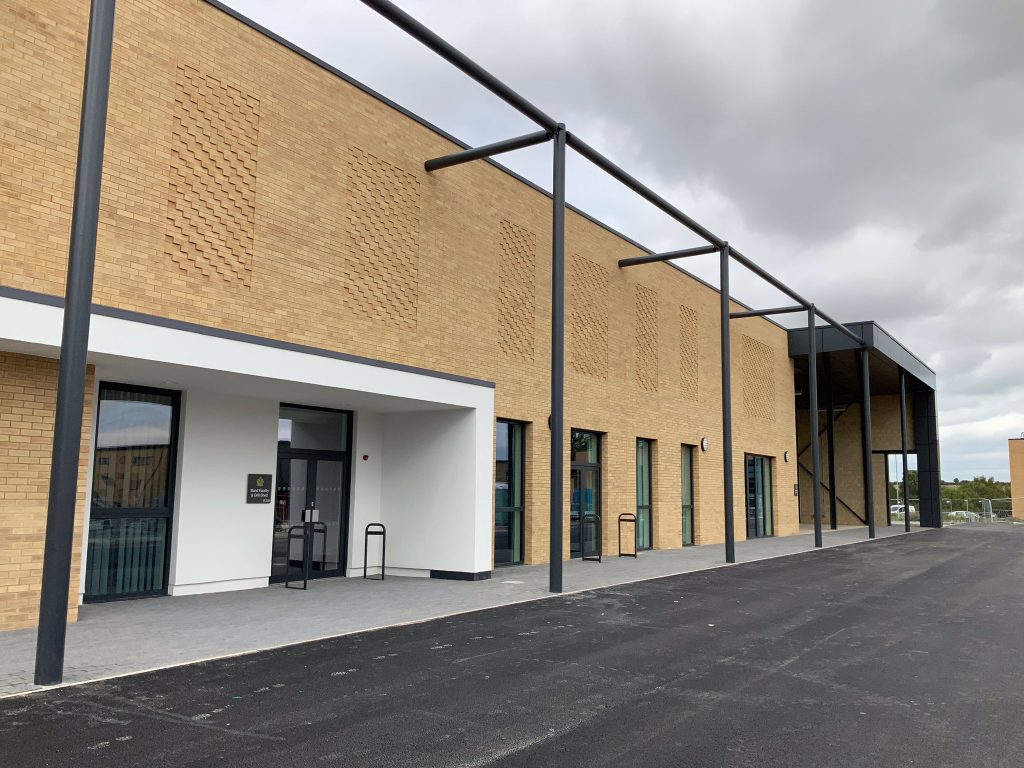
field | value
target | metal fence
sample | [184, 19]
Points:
[963, 511]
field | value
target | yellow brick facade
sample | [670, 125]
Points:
[885, 436]
[27, 402]
[249, 189]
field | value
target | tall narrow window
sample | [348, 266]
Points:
[509, 491]
[644, 492]
[132, 492]
[686, 475]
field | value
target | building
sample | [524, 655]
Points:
[1017, 476]
[286, 300]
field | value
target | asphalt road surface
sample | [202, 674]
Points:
[894, 653]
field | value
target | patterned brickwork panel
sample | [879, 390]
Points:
[212, 201]
[645, 328]
[588, 317]
[517, 291]
[689, 364]
[382, 224]
[758, 379]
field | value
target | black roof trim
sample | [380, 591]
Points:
[877, 338]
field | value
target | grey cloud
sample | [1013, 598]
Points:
[869, 153]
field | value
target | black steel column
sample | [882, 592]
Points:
[903, 448]
[926, 448]
[812, 386]
[867, 442]
[730, 523]
[557, 359]
[830, 428]
[74, 348]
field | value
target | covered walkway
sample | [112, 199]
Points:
[119, 638]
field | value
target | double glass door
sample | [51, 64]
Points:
[303, 484]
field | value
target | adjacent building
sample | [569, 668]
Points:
[1017, 476]
[294, 320]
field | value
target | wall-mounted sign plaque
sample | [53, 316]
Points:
[258, 489]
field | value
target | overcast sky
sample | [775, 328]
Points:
[870, 153]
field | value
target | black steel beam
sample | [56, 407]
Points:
[812, 386]
[557, 360]
[489, 150]
[668, 256]
[765, 312]
[770, 279]
[644, 191]
[866, 443]
[449, 53]
[74, 350]
[730, 523]
[903, 449]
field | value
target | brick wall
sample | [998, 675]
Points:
[885, 436]
[27, 402]
[246, 188]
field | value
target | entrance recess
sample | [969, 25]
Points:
[585, 496]
[313, 468]
[759, 496]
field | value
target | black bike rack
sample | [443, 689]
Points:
[627, 517]
[378, 530]
[306, 533]
[595, 521]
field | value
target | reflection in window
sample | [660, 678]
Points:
[311, 428]
[508, 492]
[585, 447]
[133, 449]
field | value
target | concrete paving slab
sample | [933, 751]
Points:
[126, 637]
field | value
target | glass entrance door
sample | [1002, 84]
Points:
[308, 484]
[759, 496]
[312, 474]
[585, 495]
[585, 513]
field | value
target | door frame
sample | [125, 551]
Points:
[599, 497]
[746, 506]
[512, 510]
[313, 455]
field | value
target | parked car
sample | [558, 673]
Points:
[896, 510]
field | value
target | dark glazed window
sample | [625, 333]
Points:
[133, 449]
[644, 488]
[509, 491]
[132, 492]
